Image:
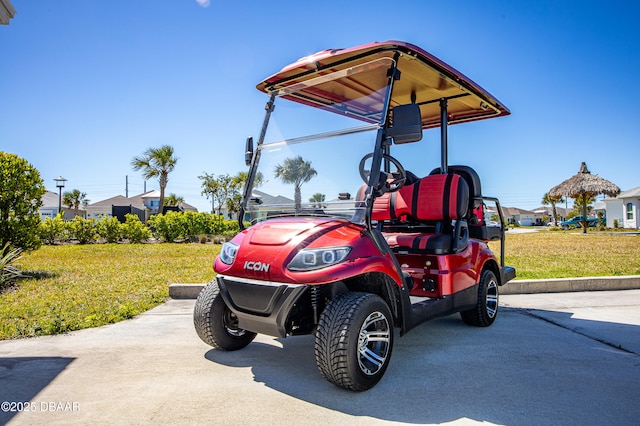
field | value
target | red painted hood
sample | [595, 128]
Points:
[265, 250]
[278, 233]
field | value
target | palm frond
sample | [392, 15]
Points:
[8, 272]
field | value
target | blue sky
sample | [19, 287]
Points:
[85, 86]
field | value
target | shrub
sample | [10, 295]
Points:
[167, 227]
[84, 230]
[232, 227]
[21, 191]
[194, 224]
[109, 228]
[52, 230]
[8, 272]
[134, 230]
[174, 225]
[615, 223]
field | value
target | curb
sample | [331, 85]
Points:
[552, 285]
[567, 285]
[185, 291]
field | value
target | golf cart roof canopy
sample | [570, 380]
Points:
[352, 81]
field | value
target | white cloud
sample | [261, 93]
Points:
[204, 3]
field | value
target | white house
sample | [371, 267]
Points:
[625, 209]
[49, 208]
[547, 211]
[515, 215]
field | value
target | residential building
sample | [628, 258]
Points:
[625, 209]
[518, 216]
[546, 211]
[262, 198]
[599, 208]
[144, 205]
[49, 208]
[104, 208]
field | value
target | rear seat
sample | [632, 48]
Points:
[478, 228]
[440, 201]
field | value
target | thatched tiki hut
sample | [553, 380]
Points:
[584, 185]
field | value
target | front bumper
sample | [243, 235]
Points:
[261, 306]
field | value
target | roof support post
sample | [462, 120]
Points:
[246, 193]
[444, 143]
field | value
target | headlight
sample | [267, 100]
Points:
[228, 253]
[310, 259]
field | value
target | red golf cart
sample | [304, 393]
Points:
[343, 240]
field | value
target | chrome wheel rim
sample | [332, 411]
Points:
[374, 342]
[492, 299]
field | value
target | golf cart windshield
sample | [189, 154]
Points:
[308, 162]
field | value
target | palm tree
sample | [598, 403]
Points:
[296, 171]
[156, 162]
[74, 199]
[173, 200]
[583, 203]
[318, 200]
[240, 180]
[547, 199]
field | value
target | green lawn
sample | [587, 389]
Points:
[567, 254]
[80, 286]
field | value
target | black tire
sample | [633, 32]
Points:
[354, 340]
[486, 309]
[215, 324]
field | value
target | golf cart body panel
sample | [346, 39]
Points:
[269, 247]
[395, 251]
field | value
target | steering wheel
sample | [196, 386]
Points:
[388, 182]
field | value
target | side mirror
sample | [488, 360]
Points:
[406, 124]
[248, 151]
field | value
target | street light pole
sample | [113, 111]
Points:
[60, 184]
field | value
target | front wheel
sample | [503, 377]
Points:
[486, 309]
[354, 340]
[216, 324]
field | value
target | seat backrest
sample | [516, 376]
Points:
[433, 198]
[475, 191]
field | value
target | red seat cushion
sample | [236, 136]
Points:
[431, 199]
[420, 243]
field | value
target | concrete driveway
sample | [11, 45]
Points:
[563, 358]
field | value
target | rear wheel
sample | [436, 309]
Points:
[486, 309]
[216, 324]
[354, 340]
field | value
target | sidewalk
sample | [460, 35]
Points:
[554, 358]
